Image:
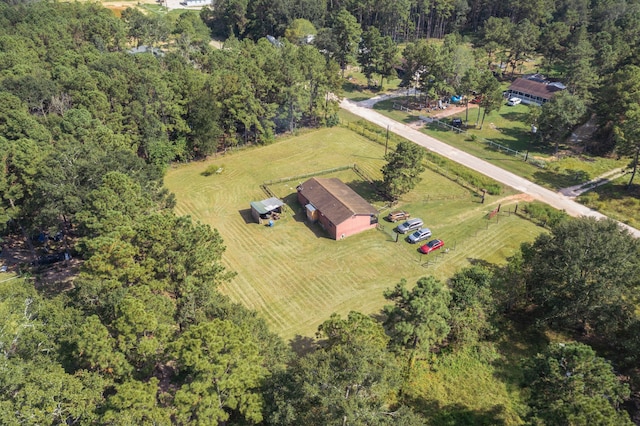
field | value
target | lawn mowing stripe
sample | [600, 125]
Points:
[267, 260]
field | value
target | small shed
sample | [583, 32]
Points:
[266, 210]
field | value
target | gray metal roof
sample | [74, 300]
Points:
[265, 206]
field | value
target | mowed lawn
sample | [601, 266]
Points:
[292, 273]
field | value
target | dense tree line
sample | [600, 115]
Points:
[72, 94]
[403, 20]
[144, 337]
[583, 44]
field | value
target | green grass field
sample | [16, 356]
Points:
[472, 386]
[615, 200]
[296, 276]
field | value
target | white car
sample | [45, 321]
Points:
[513, 101]
[419, 235]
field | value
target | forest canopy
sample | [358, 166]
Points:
[142, 334]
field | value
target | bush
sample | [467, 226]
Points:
[544, 214]
[213, 170]
[470, 177]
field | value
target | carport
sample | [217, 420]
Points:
[269, 209]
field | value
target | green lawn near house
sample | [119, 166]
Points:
[292, 273]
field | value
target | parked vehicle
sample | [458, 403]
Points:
[513, 101]
[410, 225]
[456, 122]
[50, 259]
[399, 215]
[419, 235]
[431, 246]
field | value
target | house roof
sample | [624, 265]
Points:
[534, 88]
[265, 206]
[335, 200]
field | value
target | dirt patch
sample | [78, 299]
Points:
[452, 110]
[18, 258]
[515, 199]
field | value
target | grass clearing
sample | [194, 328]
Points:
[467, 387]
[355, 86]
[479, 384]
[616, 201]
[296, 276]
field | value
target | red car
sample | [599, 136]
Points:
[431, 246]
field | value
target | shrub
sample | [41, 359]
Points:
[544, 214]
[213, 169]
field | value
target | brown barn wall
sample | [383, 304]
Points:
[327, 225]
[354, 225]
[303, 201]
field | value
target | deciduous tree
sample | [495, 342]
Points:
[583, 275]
[559, 116]
[350, 379]
[569, 384]
[472, 305]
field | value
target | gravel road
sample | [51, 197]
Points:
[525, 186]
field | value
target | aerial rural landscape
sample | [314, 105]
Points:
[225, 212]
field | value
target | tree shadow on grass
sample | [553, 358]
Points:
[457, 414]
[359, 98]
[481, 262]
[516, 139]
[302, 345]
[366, 190]
[519, 339]
[380, 317]
[515, 116]
[561, 179]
